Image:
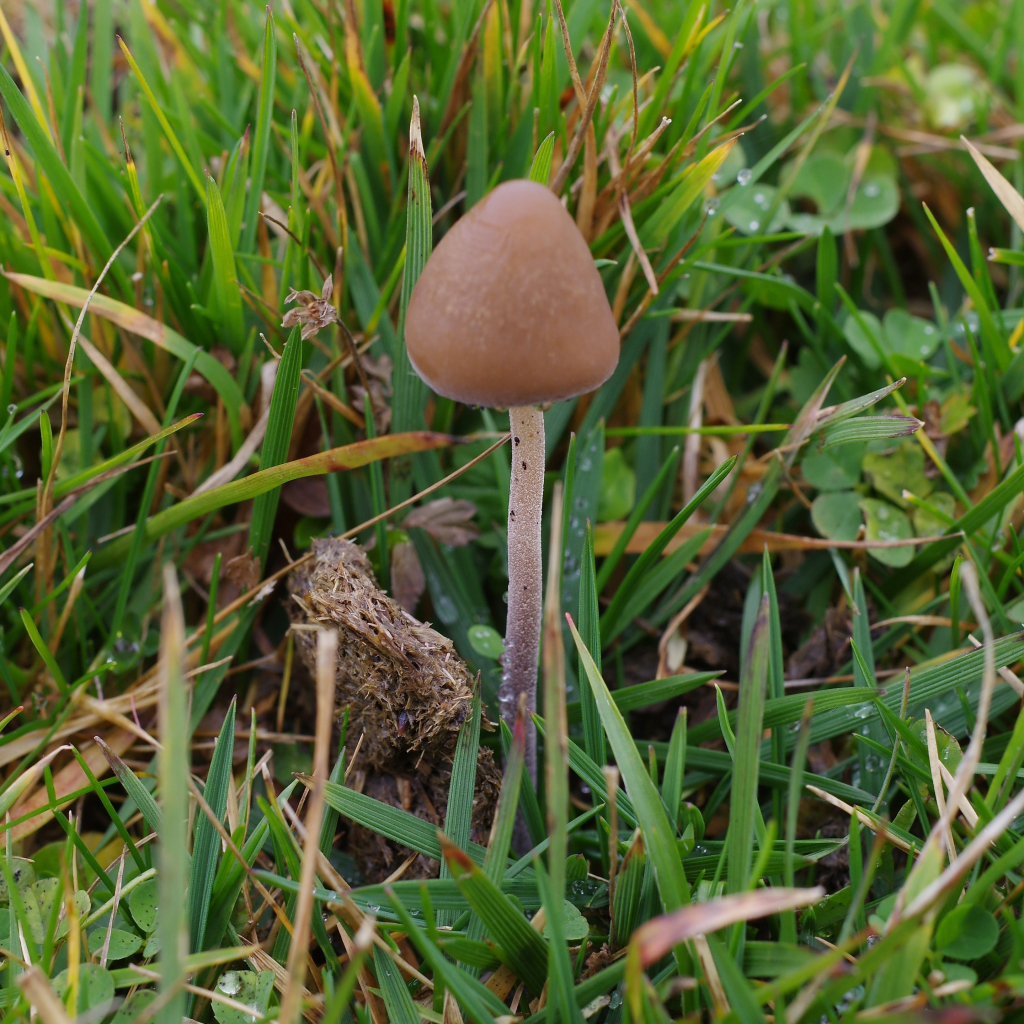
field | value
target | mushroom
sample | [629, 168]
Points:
[510, 311]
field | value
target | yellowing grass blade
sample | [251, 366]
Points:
[1005, 192]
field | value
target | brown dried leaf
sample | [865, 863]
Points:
[407, 579]
[307, 496]
[448, 520]
[243, 570]
[656, 938]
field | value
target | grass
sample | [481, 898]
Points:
[781, 732]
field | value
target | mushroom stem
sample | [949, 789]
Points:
[525, 576]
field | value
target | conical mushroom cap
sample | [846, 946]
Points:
[510, 309]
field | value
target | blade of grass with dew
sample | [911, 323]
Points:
[610, 621]
[206, 842]
[519, 946]
[458, 818]
[593, 732]
[642, 695]
[743, 805]
[635, 518]
[477, 1001]
[401, 1009]
[650, 811]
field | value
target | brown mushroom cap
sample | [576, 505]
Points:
[510, 309]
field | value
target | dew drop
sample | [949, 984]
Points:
[744, 176]
[754, 225]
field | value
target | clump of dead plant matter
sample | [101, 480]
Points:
[407, 691]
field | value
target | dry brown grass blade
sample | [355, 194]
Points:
[326, 665]
[558, 181]
[1005, 192]
[964, 777]
[69, 779]
[37, 990]
[58, 447]
[465, 66]
[123, 389]
[940, 800]
[877, 827]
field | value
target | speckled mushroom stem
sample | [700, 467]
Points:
[525, 575]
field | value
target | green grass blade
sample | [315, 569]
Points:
[650, 811]
[135, 789]
[743, 805]
[44, 652]
[351, 456]
[540, 169]
[53, 167]
[459, 813]
[559, 967]
[675, 768]
[521, 948]
[206, 841]
[612, 622]
[991, 334]
[261, 138]
[401, 1009]
[174, 771]
[634, 520]
[476, 1000]
[225, 280]
[159, 334]
[8, 588]
[410, 391]
[642, 695]
[590, 630]
[391, 822]
[169, 133]
[275, 445]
